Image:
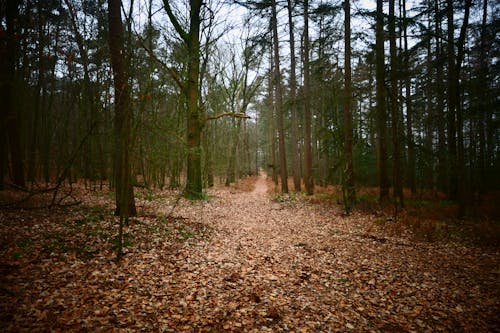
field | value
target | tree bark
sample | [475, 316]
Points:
[442, 181]
[483, 74]
[452, 104]
[381, 105]
[10, 122]
[125, 203]
[194, 184]
[271, 132]
[462, 179]
[279, 102]
[293, 103]
[350, 196]
[396, 146]
[409, 110]
[308, 179]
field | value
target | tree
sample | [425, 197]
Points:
[458, 105]
[308, 179]
[279, 100]
[190, 89]
[381, 105]
[409, 111]
[293, 101]
[125, 204]
[394, 96]
[350, 196]
[10, 129]
[455, 117]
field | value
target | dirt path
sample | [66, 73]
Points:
[255, 271]
[290, 266]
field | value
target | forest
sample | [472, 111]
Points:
[249, 165]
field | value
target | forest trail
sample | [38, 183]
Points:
[260, 267]
[241, 261]
[286, 265]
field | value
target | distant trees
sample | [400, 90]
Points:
[405, 99]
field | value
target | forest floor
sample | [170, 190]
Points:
[244, 260]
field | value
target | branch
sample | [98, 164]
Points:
[175, 22]
[170, 70]
[229, 114]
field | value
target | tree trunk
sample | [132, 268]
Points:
[125, 204]
[191, 38]
[409, 109]
[194, 182]
[271, 133]
[396, 146]
[462, 179]
[442, 179]
[293, 103]
[10, 122]
[279, 102]
[483, 74]
[381, 105]
[452, 103]
[348, 183]
[308, 179]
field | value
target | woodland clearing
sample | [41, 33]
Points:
[241, 261]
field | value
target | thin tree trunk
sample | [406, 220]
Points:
[308, 179]
[381, 105]
[293, 103]
[452, 104]
[409, 109]
[8, 57]
[483, 74]
[350, 196]
[279, 102]
[396, 146]
[442, 181]
[462, 179]
[270, 125]
[428, 172]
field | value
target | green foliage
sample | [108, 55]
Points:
[147, 195]
[127, 241]
[286, 197]
[24, 243]
[343, 281]
[184, 232]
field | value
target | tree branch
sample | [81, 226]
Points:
[175, 75]
[183, 34]
[229, 114]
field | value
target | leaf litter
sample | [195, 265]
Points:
[239, 262]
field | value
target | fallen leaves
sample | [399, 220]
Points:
[238, 263]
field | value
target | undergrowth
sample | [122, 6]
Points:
[429, 215]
